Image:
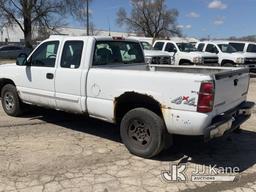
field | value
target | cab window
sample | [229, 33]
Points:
[170, 47]
[71, 55]
[45, 55]
[251, 48]
[211, 48]
[200, 47]
[158, 46]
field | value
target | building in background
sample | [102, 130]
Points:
[13, 33]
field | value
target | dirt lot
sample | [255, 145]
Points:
[6, 61]
[53, 151]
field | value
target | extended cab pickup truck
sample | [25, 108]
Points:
[107, 78]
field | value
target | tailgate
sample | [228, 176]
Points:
[231, 89]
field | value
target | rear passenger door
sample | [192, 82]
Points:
[68, 94]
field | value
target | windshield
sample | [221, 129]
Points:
[146, 45]
[226, 48]
[238, 46]
[186, 47]
[117, 52]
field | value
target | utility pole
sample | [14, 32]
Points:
[87, 17]
[109, 33]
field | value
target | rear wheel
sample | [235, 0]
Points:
[10, 101]
[143, 132]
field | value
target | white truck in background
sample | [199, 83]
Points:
[184, 53]
[229, 55]
[153, 56]
[107, 78]
[249, 51]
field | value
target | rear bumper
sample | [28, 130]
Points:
[229, 121]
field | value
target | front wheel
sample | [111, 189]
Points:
[227, 65]
[10, 101]
[142, 132]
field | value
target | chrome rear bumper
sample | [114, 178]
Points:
[229, 121]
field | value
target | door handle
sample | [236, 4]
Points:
[49, 76]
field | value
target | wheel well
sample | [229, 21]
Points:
[4, 82]
[132, 100]
[182, 61]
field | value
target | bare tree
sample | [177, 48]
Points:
[150, 17]
[81, 11]
[44, 13]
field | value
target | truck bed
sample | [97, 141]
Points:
[218, 72]
[206, 70]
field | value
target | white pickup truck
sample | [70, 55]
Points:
[228, 55]
[106, 78]
[249, 51]
[184, 53]
[154, 56]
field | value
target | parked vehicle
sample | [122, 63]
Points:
[185, 53]
[12, 51]
[228, 54]
[107, 78]
[153, 56]
[146, 45]
[249, 50]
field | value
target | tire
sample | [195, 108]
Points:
[10, 101]
[143, 132]
[238, 130]
[227, 65]
[186, 64]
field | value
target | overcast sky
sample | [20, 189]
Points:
[198, 18]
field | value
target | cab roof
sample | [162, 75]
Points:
[97, 38]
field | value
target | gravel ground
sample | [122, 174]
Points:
[5, 61]
[54, 151]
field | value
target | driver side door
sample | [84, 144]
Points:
[38, 78]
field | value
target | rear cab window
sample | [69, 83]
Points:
[117, 52]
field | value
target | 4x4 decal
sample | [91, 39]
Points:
[184, 100]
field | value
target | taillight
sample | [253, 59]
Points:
[206, 97]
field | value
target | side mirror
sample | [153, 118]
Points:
[22, 59]
[175, 50]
